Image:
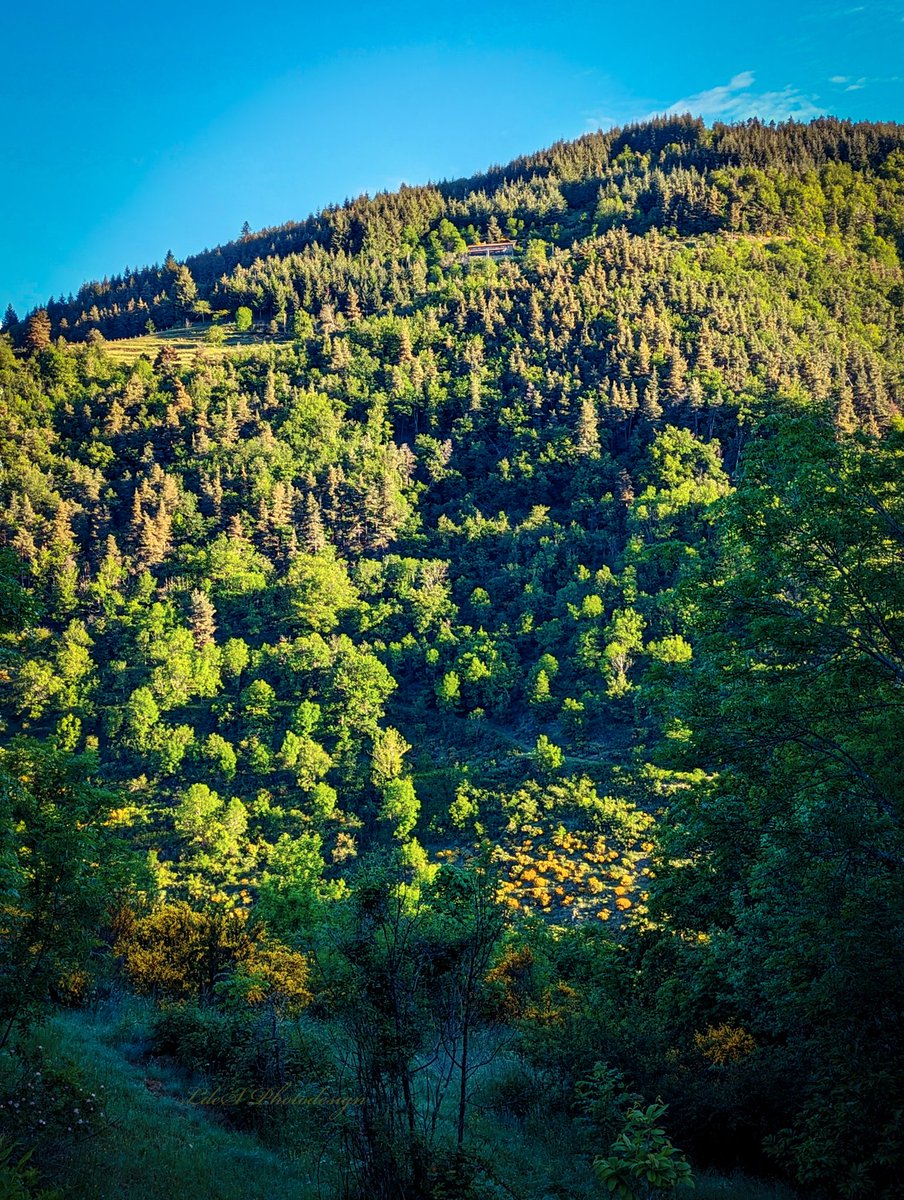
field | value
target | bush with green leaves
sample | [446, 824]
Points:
[18, 1179]
[642, 1164]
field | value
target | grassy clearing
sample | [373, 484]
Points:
[160, 1148]
[187, 343]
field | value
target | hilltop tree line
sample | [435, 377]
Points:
[672, 173]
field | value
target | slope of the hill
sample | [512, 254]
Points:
[576, 565]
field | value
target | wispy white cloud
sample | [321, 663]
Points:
[819, 16]
[856, 85]
[596, 120]
[737, 100]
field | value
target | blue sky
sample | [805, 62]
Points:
[132, 130]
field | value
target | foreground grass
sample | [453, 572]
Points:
[738, 1187]
[160, 1148]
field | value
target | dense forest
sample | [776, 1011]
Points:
[456, 731]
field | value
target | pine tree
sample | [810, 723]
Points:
[494, 230]
[845, 416]
[212, 490]
[115, 422]
[202, 619]
[625, 489]
[270, 400]
[136, 525]
[643, 356]
[353, 305]
[282, 505]
[166, 363]
[154, 542]
[37, 331]
[696, 400]
[677, 378]
[312, 538]
[185, 291]
[333, 508]
[587, 434]
[230, 426]
[650, 405]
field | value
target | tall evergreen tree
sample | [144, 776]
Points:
[202, 618]
[37, 331]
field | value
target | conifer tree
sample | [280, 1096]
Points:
[202, 618]
[353, 306]
[185, 290]
[587, 435]
[650, 405]
[37, 331]
[845, 416]
[230, 427]
[312, 538]
[677, 377]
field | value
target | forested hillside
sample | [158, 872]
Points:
[477, 693]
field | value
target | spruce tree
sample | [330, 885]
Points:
[37, 331]
[202, 618]
[312, 538]
[587, 439]
[650, 405]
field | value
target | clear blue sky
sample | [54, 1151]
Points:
[130, 129]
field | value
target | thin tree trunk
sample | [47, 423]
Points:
[463, 1091]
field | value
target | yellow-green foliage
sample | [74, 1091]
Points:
[178, 952]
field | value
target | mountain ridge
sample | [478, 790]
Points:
[121, 305]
